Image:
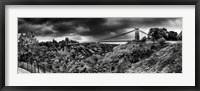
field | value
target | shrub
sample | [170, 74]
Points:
[161, 41]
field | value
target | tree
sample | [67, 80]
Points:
[161, 41]
[144, 39]
[157, 33]
[173, 35]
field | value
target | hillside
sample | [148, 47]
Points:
[145, 58]
[134, 57]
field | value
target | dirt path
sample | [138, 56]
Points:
[21, 70]
[173, 42]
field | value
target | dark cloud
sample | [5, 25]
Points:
[34, 20]
[38, 30]
[63, 28]
[25, 28]
[46, 32]
[96, 27]
[67, 25]
[21, 21]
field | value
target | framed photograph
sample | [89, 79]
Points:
[100, 45]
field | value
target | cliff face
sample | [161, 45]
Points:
[166, 60]
[145, 58]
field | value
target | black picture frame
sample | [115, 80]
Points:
[3, 3]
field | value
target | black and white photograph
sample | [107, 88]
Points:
[100, 45]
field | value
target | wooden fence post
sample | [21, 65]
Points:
[38, 68]
[44, 69]
[27, 65]
[34, 67]
[31, 68]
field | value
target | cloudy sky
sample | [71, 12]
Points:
[92, 29]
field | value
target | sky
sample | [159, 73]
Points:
[93, 29]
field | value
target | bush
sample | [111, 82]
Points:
[143, 39]
[161, 41]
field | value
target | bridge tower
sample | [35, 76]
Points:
[137, 35]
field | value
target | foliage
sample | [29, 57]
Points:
[166, 60]
[161, 41]
[143, 39]
[134, 56]
[157, 33]
[173, 35]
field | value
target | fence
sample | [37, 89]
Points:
[34, 67]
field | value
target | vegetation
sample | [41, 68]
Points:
[157, 33]
[143, 56]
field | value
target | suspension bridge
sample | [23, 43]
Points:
[137, 32]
